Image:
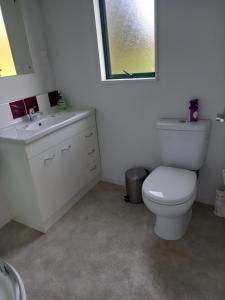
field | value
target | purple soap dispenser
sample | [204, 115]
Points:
[193, 110]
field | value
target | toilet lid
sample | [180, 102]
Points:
[171, 186]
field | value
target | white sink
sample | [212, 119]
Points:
[51, 120]
[27, 131]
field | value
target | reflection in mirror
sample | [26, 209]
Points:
[15, 58]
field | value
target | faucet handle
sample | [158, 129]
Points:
[31, 111]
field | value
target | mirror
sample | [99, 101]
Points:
[15, 58]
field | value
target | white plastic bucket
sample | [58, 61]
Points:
[11, 284]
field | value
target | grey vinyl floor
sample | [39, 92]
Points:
[105, 249]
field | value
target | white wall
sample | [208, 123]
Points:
[191, 64]
[14, 88]
[4, 214]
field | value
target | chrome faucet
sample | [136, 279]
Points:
[32, 114]
[220, 117]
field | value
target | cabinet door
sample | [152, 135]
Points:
[48, 182]
[71, 162]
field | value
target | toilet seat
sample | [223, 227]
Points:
[170, 186]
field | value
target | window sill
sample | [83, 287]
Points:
[128, 79]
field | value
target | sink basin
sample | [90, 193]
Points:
[41, 124]
[27, 132]
[49, 121]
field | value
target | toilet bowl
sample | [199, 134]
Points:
[169, 193]
[170, 190]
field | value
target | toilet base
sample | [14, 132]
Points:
[172, 228]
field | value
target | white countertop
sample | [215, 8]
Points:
[26, 132]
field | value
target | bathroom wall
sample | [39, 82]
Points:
[191, 54]
[20, 87]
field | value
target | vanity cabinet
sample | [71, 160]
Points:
[45, 178]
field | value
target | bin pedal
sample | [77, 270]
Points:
[126, 198]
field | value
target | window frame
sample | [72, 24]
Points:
[106, 51]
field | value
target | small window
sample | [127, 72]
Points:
[128, 37]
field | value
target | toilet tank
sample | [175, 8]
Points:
[183, 144]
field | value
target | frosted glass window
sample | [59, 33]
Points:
[128, 29]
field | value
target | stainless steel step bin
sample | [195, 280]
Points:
[134, 180]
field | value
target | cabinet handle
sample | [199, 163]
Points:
[49, 158]
[89, 135]
[66, 148]
[94, 168]
[91, 152]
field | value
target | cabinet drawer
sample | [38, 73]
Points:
[91, 171]
[89, 144]
[91, 154]
[89, 137]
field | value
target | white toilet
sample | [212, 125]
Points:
[170, 190]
